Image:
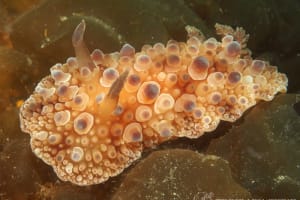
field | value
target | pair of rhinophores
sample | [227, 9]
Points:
[93, 115]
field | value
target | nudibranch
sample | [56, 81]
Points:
[93, 115]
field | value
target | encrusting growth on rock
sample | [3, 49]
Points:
[92, 116]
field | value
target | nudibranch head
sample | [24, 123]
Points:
[92, 116]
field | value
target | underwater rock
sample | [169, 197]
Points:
[271, 23]
[273, 26]
[8, 126]
[264, 150]
[145, 22]
[19, 170]
[286, 29]
[18, 73]
[64, 191]
[292, 69]
[256, 16]
[50, 37]
[18, 177]
[179, 174]
[19, 6]
[166, 10]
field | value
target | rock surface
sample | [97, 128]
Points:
[264, 150]
[18, 73]
[18, 178]
[180, 174]
[139, 23]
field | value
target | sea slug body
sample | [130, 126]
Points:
[93, 115]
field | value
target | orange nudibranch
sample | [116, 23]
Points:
[93, 115]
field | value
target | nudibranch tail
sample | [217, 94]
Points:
[81, 50]
[92, 116]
